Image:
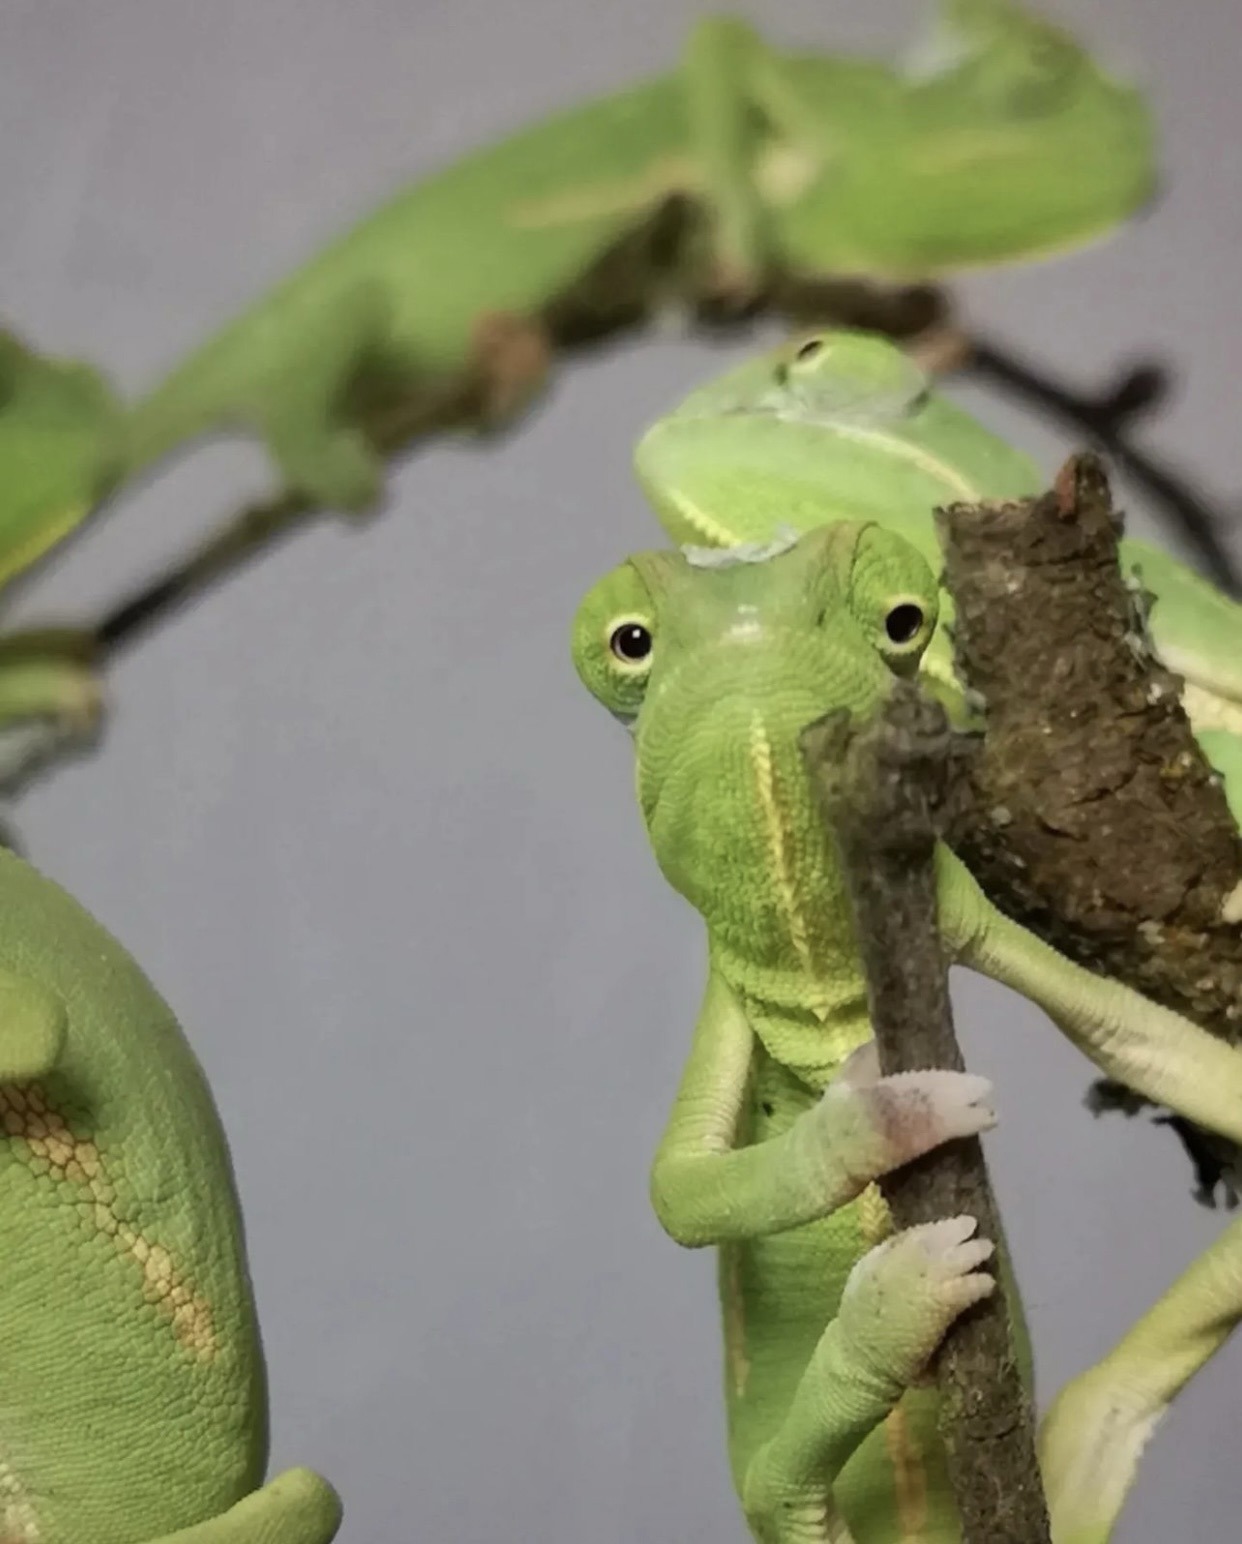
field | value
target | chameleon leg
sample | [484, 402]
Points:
[779, 1199]
[719, 60]
[1150, 1049]
[297, 1507]
[898, 1301]
[1096, 1429]
[732, 76]
[320, 449]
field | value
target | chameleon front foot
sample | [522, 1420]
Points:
[898, 1302]
[941, 349]
[50, 699]
[511, 357]
[297, 1507]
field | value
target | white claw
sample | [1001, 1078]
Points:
[917, 1111]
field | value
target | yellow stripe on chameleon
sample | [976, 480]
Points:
[778, 848]
[55, 1153]
[715, 534]
[902, 450]
[735, 1322]
[18, 1522]
[909, 1477]
[875, 1221]
[669, 174]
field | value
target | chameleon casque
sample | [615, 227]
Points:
[134, 1405]
[716, 662]
[748, 176]
[843, 425]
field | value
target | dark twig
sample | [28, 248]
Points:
[1105, 419]
[1092, 817]
[883, 788]
[256, 529]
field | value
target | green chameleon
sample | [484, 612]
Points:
[746, 175]
[716, 662]
[745, 168]
[844, 426]
[134, 1394]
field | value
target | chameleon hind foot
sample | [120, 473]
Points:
[297, 1507]
[898, 1302]
[1095, 1432]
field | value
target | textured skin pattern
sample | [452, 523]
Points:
[134, 1398]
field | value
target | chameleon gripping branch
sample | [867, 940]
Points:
[883, 789]
[1091, 813]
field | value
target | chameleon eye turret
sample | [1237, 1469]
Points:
[904, 622]
[631, 642]
[614, 641]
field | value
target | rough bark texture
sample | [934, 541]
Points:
[1089, 812]
[883, 790]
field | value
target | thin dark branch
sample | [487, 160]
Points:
[254, 530]
[883, 788]
[1105, 419]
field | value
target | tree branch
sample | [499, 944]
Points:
[1105, 420]
[883, 790]
[1090, 814]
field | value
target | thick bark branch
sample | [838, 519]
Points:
[1090, 812]
[883, 789]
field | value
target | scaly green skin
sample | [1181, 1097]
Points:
[843, 426]
[1013, 145]
[780, 1126]
[134, 1404]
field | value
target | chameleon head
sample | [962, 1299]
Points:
[1003, 140]
[1025, 127]
[718, 661]
[838, 425]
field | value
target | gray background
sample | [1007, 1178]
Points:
[362, 826]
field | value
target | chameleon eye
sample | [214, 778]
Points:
[904, 622]
[906, 631]
[809, 349]
[631, 642]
